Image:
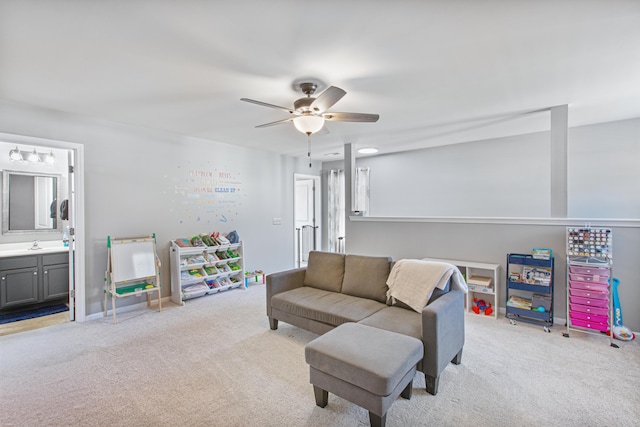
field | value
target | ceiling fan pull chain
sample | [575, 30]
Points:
[309, 148]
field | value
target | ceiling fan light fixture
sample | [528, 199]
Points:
[368, 150]
[308, 123]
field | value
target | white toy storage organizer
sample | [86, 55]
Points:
[202, 270]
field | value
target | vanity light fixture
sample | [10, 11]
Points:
[33, 157]
[49, 158]
[16, 155]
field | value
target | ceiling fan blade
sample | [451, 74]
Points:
[264, 104]
[326, 99]
[351, 117]
[276, 122]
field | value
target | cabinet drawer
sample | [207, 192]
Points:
[600, 311]
[586, 293]
[18, 262]
[589, 286]
[589, 278]
[594, 302]
[602, 327]
[599, 271]
[59, 258]
[588, 316]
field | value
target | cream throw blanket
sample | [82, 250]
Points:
[412, 281]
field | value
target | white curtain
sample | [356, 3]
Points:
[336, 216]
[361, 196]
[336, 210]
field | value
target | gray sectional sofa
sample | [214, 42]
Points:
[337, 288]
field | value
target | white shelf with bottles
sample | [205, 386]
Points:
[482, 280]
[203, 270]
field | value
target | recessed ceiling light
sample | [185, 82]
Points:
[370, 150]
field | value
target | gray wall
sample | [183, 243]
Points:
[491, 243]
[507, 181]
[139, 181]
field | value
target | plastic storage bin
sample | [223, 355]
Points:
[591, 317]
[599, 287]
[600, 311]
[602, 327]
[594, 302]
[579, 269]
[585, 293]
[589, 278]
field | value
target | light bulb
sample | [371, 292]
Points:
[308, 123]
[33, 157]
[49, 158]
[15, 155]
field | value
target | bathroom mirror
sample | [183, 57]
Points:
[30, 203]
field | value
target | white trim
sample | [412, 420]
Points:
[594, 222]
[80, 299]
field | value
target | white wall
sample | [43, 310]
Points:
[604, 172]
[138, 181]
[500, 177]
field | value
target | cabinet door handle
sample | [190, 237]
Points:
[35, 273]
[46, 271]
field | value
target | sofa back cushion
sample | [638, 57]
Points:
[366, 277]
[325, 270]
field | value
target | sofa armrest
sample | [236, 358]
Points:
[283, 281]
[442, 332]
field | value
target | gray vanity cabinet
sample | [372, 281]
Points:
[55, 276]
[32, 279]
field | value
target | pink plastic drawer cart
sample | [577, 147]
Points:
[589, 263]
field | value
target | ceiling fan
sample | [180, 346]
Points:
[309, 113]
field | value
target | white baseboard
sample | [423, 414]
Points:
[124, 309]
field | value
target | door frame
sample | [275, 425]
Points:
[77, 276]
[317, 209]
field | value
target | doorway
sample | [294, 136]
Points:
[307, 214]
[71, 155]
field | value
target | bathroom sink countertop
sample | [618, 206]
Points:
[25, 248]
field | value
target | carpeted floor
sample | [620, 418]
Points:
[215, 362]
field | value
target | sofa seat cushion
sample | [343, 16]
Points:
[396, 319]
[325, 270]
[323, 306]
[366, 277]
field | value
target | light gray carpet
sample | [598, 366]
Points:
[215, 362]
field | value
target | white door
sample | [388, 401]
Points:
[71, 214]
[306, 217]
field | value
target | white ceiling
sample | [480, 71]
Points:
[437, 72]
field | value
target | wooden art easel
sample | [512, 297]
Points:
[133, 268]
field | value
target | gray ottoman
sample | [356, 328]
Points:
[367, 366]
